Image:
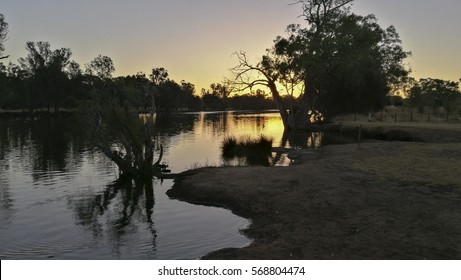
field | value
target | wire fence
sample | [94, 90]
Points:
[404, 114]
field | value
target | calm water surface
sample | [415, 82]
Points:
[57, 199]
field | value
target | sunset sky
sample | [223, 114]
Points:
[194, 39]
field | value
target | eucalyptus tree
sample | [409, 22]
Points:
[159, 75]
[340, 62]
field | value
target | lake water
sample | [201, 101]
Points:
[57, 200]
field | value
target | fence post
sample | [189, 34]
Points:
[411, 116]
[429, 117]
[359, 138]
[395, 117]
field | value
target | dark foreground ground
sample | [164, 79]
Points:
[384, 200]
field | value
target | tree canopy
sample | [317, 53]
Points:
[101, 66]
[434, 93]
[343, 62]
[45, 70]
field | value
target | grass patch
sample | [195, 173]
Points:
[256, 151]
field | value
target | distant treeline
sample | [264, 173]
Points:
[48, 79]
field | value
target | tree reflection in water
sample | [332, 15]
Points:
[303, 139]
[118, 211]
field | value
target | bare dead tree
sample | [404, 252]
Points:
[315, 11]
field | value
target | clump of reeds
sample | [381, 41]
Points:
[255, 150]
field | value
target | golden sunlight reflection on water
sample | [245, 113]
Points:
[202, 145]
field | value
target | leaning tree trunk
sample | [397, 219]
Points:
[284, 112]
[295, 117]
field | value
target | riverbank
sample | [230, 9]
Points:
[384, 200]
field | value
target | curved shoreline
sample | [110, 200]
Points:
[385, 200]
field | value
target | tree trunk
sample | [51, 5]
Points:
[284, 113]
[306, 104]
[297, 118]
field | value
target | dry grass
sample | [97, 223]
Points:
[435, 164]
[384, 200]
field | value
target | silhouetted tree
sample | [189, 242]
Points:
[211, 100]
[14, 88]
[173, 96]
[159, 76]
[98, 80]
[45, 69]
[123, 137]
[190, 100]
[222, 90]
[341, 62]
[257, 100]
[73, 70]
[434, 93]
[131, 92]
[3, 35]
[101, 67]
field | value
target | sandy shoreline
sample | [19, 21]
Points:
[384, 200]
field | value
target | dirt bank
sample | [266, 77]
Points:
[384, 200]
